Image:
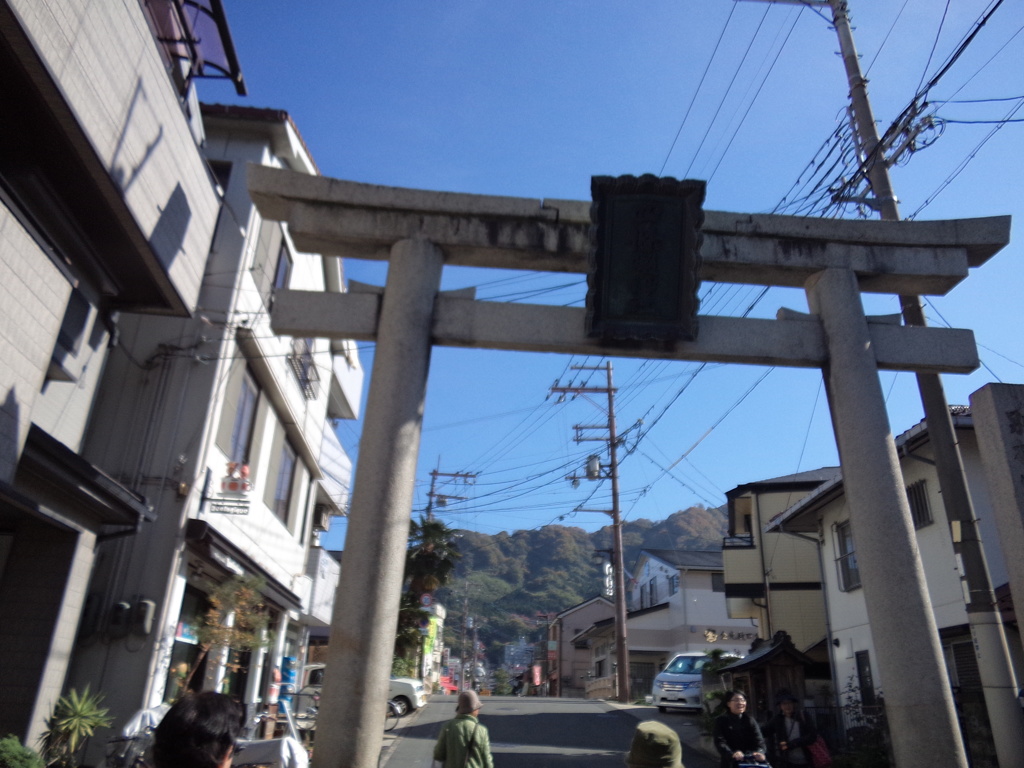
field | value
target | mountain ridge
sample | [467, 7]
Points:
[509, 583]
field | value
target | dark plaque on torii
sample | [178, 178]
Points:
[645, 259]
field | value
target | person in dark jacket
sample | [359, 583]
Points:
[790, 731]
[736, 733]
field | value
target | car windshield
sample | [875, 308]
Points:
[686, 665]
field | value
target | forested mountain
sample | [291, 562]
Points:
[507, 579]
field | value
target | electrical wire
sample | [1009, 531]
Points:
[700, 84]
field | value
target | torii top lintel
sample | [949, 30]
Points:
[354, 220]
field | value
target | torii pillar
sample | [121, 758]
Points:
[834, 261]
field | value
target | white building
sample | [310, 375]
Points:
[691, 583]
[678, 605]
[227, 430]
[824, 516]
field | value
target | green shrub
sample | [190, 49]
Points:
[501, 684]
[403, 667]
[14, 755]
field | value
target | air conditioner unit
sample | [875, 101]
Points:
[321, 517]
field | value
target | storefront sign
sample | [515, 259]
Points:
[229, 506]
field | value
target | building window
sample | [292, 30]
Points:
[271, 266]
[245, 414]
[285, 476]
[221, 170]
[283, 270]
[920, 512]
[846, 558]
[718, 582]
[72, 327]
[673, 583]
[864, 679]
[965, 663]
[653, 590]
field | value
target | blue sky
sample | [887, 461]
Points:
[532, 98]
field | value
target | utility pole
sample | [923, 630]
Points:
[462, 640]
[594, 472]
[997, 678]
[444, 498]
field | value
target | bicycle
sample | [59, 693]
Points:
[129, 751]
[393, 716]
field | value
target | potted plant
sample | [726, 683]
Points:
[76, 717]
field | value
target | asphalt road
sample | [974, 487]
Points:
[539, 733]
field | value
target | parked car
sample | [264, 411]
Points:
[678, 684]
[407, 693]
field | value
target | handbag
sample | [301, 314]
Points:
[820, 756]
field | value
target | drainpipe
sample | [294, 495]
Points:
[819, 545]
[764, 571]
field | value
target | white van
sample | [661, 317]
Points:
[678, 684]
[408, 693]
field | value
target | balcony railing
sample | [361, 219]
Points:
[304, 368]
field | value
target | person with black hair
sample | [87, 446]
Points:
[199, 731]
[791, 731]
[736, 733]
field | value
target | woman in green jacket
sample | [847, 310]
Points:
[463, 742]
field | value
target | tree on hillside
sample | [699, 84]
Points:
[513, 576]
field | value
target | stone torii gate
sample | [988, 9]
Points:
[834, 261]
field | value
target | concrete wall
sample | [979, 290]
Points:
[33, 294]
[112, 75]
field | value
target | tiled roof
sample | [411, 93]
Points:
[688, 558]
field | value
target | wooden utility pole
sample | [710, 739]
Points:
[997, 677]
[622, 677]
[444, 498]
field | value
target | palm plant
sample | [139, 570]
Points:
[429, 565]
[432, 555]
[76, 717]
